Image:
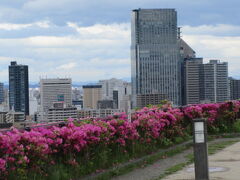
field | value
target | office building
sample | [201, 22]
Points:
[59, 112]
[117, 90]
[105, 104]
[18, 88]
[234, 88]
[78, 103]
[144, 100]
[125, 99]
[91, 95]
[55, 90]
[2, 117]
[214, 86]
[99, 113]
[115, 99]
[1, 93]
[4, 107]
[155, 54]
[76, 94]
[186, 51]
[109, 86]
[15, 117]
[191, 80]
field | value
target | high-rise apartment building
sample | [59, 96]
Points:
[214, 85]
[1, 93]
[91, 95]
[155, 54]
[205, 83]
[55, 90]
[18, 88]
[191, 80]
[234, 88]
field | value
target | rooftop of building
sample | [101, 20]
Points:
[215, 61]
[92, 86]
[155, 9]
[54, 79]
[14, 63]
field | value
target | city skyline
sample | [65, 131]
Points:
[62, 41]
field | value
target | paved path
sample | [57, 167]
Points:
[224, 165]
[168, 163]
[153, 171]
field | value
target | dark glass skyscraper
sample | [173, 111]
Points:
[18, 88]
[155, 54]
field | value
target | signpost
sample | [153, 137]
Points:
[200, 149]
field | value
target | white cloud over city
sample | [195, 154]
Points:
[88, 40]
[98, 51]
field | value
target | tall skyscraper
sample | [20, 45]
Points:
[1, 93]
[214, 85]
[18, 88]
[55, 90]
[155, 54]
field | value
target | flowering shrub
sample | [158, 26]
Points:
[95, 143]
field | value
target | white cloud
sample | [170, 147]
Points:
[43, 24]
[110, 31]
[94, 52]
[11, 26]
[68, 66]
[219, 29]
[221, 41]
[102, 51]
[215, 47]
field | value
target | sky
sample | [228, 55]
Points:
[89, 40]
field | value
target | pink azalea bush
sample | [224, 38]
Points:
[152, 123]
[90, 140]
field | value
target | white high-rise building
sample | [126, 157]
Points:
[55, 90]
[117, 90]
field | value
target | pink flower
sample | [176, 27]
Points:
[2, 164]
